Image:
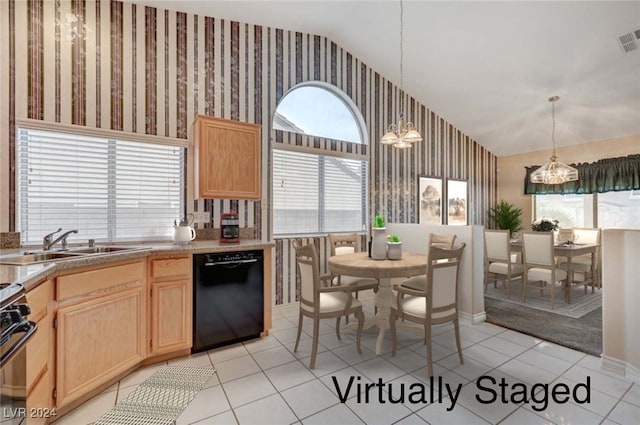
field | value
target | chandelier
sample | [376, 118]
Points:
[403, 134]
[554, 172]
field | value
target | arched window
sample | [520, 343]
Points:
[317, 109]
[318, 191]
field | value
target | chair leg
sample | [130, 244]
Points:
[299, 331]
[360, 316]
[314, 350]
[392, 326]
[456, 327]
[427, 339]
[338, 326]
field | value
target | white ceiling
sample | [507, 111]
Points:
[486, 67]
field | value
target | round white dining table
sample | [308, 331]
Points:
[359, 264]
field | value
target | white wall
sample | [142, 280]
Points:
[414, 238]
[620, 298]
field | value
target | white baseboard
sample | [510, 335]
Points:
[474, 319]
[621, 368]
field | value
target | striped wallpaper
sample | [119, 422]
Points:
[144, 70]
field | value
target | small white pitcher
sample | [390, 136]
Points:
[183, 234]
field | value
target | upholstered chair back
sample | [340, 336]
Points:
[343, 244]
[538, 248]
[308, 266]
[496, 244]
[585, 235]
[442, 280]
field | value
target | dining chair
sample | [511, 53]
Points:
[582, 263]
[420, 282]
[319, 301]
[539, 263]
[437, 303]
[347, 244]
[497, 260]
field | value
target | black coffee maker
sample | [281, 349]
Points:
[229, 228]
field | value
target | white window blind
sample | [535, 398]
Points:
[109, 190]
[318, 193]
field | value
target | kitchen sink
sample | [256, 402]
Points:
[103, 249]
[33, 258]
[79, 252]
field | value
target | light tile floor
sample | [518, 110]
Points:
[264, 382]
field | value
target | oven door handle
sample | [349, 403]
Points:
[28, 328]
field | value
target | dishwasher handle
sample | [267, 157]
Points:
[230, 263]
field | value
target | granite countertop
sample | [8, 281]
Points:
[30, 275]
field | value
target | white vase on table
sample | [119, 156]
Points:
[394, 250]
[378, 244]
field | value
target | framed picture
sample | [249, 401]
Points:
[457, 202]
[430, 198]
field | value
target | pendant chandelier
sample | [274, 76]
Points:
[403, 134]
[554, 172]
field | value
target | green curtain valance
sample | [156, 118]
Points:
[606, 175]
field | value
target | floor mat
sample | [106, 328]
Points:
[581, 303]
[161, 398]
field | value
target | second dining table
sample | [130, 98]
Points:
[569, 251]
[361, 265]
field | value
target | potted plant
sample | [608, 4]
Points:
[378, 248]
[394, 247]
[507, 217]
[378, 222]
[544, 225]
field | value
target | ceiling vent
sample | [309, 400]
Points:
[630, 41]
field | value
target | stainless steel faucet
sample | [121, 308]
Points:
[47, 241]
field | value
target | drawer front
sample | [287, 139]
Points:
[170, 267]
[100, 280]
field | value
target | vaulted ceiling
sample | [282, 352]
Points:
[486, 67]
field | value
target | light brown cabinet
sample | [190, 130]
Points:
[101, 327]
[227, 159]
[39, 359]
[171, 300]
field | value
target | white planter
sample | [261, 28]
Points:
[378, 244]
[394, 250]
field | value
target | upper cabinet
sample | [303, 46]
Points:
[227, 161]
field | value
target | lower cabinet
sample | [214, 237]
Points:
[39, 361]
[39, 406]
[96, 323]
[171, 300]
[99, 333]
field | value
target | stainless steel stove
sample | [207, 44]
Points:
[16, 331]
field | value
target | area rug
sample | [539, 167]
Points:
[583, 334]
[161, 398]
[581, 303]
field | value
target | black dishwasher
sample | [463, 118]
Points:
[228, 298]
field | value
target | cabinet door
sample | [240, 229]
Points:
[170, 316]
[97, 340]
[227, 159]
[39, 410]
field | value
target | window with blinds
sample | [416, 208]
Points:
[107, 189]
[318, 193]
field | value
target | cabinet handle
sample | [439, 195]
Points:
[234, 262]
